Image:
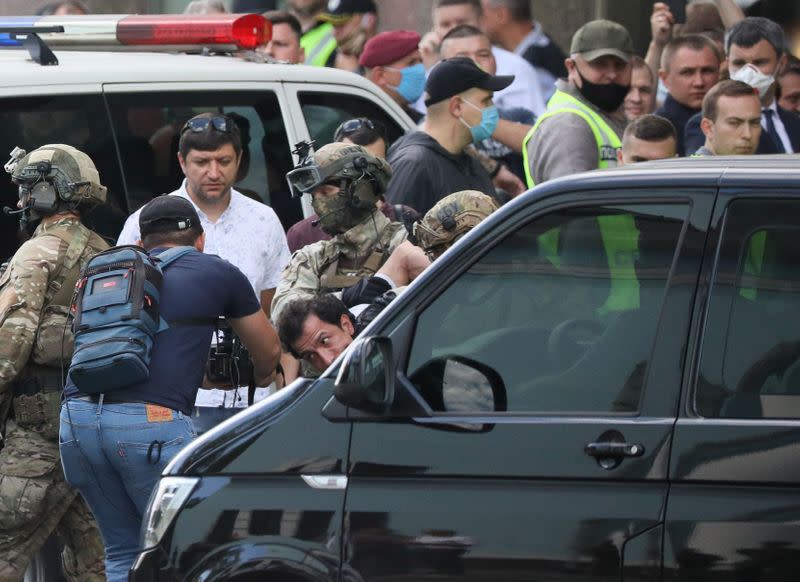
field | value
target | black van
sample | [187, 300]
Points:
[600, 381]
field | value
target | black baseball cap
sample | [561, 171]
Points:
[453, 76]
[167, 214]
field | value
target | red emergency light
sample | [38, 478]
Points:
[246, 31]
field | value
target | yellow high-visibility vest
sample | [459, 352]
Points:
[619, 233]
[561, 102]
[318, 44]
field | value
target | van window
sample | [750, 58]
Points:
[76, 120]
[565, 309]
[750, 359]
[148, 128]
[324, 112]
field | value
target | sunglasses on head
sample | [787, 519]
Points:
[218, 122]
[351, 126]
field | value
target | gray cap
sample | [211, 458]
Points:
[599, 38]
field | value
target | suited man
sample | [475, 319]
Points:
[756, 49]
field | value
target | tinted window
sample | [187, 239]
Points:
[750, 360]
[324, 112]
[565, 309]
[148, 128]
[79, 121]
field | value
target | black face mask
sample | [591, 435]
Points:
[606, 97]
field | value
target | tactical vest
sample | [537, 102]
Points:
[319, 44]
[619, 233]
[37, 390]
[339, 272]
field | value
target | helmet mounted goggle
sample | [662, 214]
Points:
[305, 178]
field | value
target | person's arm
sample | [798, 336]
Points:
[21, 301]
[730, 12]
[261, 341]
[405, 264]
[266, 300]
[429, 49]
[661, 22]
[502, 177]
[291, 369]
[299, 280]
[511, 134]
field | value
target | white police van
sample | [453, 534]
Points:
[125, 107]
[121, 87]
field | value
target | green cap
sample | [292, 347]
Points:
[599, 38]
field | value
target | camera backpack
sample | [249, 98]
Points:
[116, 317]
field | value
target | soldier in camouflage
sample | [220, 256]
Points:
[450, 219]
[56, 183]
[299, 326]
[345, 183]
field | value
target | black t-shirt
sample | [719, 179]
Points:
[195, 287]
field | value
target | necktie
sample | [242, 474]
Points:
[772, 132]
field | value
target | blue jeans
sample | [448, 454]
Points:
[111, 454]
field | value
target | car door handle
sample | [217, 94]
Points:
[614, 450]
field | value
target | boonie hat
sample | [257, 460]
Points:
[599, 38]
[388, 47]
[453, 76]
[339, 11]
[166, 214]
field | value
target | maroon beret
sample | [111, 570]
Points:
[387, 47]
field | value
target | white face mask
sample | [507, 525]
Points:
[751, 75]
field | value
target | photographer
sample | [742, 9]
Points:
[115, 445]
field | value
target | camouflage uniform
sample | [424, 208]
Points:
[331, 265]
[35, 294]
[363, 238]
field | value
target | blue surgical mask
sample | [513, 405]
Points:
[489, 118]
[412, 82]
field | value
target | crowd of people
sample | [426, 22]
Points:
[499, 108]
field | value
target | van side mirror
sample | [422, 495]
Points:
[366, 377]
[456, 384]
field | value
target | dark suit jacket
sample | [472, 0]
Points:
[694, 138]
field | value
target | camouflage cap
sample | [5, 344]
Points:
[450, 219]
[72, 171]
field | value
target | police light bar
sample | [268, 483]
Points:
[152, 32]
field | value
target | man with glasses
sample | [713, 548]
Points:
[246, 233]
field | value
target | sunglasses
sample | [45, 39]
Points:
[351, 126]
[218, 122]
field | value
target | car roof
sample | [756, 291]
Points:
[701, 172]
[77, 67]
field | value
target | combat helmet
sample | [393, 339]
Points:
[450, 219]
[55, 177]
[361, 177]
